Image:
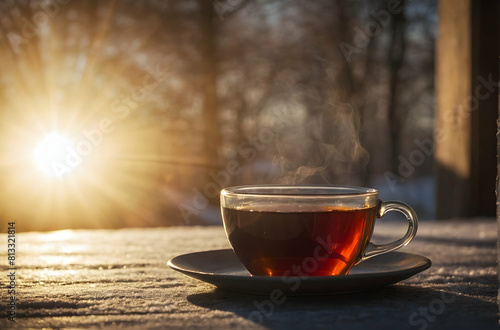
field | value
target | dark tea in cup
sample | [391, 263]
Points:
[305, 230]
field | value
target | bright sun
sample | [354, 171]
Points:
[51, 155]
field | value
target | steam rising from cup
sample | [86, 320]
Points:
[332, 152]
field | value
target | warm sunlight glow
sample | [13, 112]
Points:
[53, 155]
[59, 235]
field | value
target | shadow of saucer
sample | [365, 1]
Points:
[396, 306]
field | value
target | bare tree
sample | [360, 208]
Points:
[396, 55]
[209, 78]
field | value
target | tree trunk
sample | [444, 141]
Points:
[209, 80]
[396, 57]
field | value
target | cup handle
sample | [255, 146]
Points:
[373, 250]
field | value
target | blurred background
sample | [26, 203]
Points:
[136, 113]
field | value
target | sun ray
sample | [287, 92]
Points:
[59, 89]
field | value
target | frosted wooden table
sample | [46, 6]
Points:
[109, 278]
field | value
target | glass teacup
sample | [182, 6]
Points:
[292, 230]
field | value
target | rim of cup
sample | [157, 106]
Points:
[285, 190]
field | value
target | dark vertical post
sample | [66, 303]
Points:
[485, 77]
